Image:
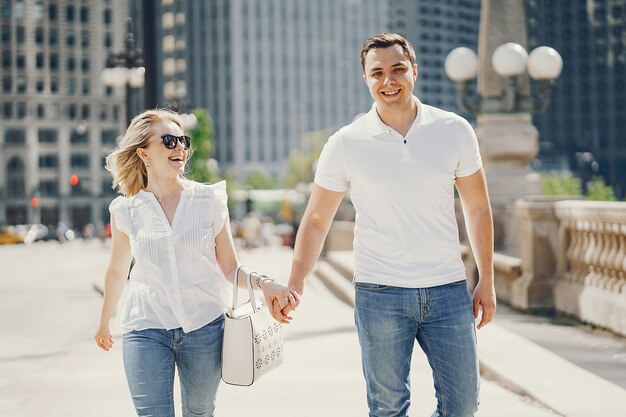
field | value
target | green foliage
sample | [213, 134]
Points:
[259, 180]
[560, 184]
[300, 165]
[597, 190]
[201, 167]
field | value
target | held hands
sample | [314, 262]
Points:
[103, 338]
[279, 299]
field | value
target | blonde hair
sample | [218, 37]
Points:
[129, 171]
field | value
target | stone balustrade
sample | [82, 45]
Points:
[592, 262]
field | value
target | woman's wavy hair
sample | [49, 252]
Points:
[128, 170]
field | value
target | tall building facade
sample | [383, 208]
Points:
[58, 120]
[435, 28]
[268, 71]
[588, 108]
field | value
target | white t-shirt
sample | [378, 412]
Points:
[405, 233]
[175, 281]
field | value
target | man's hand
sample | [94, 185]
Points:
[485, 298]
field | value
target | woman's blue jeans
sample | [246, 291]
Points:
[390, 319]
[149, 360]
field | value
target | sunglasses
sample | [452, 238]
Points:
[170, 141]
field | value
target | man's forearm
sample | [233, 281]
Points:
[309, 242]
[480, 231]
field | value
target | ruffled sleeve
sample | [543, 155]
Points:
[119, 208]
[220, 208]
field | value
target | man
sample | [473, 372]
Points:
[401, 162]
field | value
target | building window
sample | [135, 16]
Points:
[84, 38]
[47, 136]
[6, 33]
[71, 86]
[20, 61]
[71, 111]
[54, 61]
[16, 186]
[39, 11]
[107, 16]
[84, 64]
[54, 85]
[109, 136]
[8, 110]
[15, 136]
[6, 59]
[7, 84]
[76, 137]
[21, 110]
[70, 40]
[84, 14]
[108, 40]
[40, 60]
[21, 84]
[79, 161]
[52, 12]
[39, 35]
[20, 34]
[41, 111]
[85, 87]
[86, 112]
[69, 13]
[49, 188]
[53, 36]
[40, 85]
[48, 161]
[19, 10]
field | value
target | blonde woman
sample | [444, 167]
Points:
[179, 234]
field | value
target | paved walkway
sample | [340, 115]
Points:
[50, 367]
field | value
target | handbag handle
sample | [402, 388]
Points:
[236, 289]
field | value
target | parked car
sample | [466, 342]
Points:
[13, 234]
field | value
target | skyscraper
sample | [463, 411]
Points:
[435, 28]
[268, 71]
[588, 109]
[58, 120]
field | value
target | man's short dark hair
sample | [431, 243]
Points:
[385, 40]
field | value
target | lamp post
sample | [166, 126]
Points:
[511, 62]
[504, 103]
[125, 68]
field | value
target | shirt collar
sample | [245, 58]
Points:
[377, 128]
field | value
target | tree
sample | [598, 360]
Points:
[201, 167]
[259, 180]
[300, 168]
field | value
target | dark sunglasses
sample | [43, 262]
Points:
[170, 141]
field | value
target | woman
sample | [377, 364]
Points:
[179, 234]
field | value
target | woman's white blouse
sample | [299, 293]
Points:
[175, 281]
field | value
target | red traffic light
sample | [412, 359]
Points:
[34, 202]
[74, 180]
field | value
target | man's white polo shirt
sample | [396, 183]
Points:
[406, 233]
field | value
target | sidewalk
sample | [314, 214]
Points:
[516, 363]
[49, 365]
[322, 374]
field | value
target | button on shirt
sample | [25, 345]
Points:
[402, 188]
[175, 281]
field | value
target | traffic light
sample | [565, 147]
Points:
[74, 180]
[34, 202]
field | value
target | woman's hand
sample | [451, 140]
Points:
[103, 337]
[278, 297]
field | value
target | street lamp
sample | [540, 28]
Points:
[510, 61]
[125, 68]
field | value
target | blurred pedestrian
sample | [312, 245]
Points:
[251, 230]
[179, 234]
[401, 163]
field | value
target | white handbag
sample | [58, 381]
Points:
[253, 340]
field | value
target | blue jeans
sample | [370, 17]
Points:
[441, 319]
[149, 359]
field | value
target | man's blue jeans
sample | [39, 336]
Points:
[390, 319]
[149, 359]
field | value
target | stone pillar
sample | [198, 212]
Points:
[539, 250]
[508, 142]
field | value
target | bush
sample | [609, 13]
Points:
[560, 184]
[597, 190]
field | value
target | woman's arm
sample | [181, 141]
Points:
[276, 295]
[114, 282]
